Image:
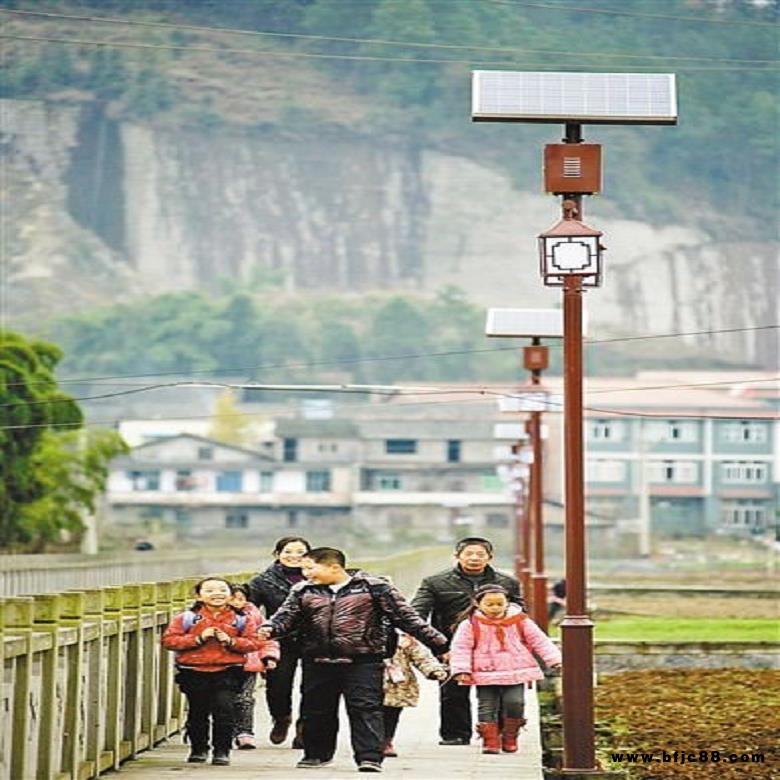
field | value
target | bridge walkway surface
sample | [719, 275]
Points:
[416, 742]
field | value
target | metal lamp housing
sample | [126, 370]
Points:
[570, 248]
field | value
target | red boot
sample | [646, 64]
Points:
[490, 737]
[509, 733]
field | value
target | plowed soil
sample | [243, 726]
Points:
[733, 711]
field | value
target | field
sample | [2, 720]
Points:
[730, 711]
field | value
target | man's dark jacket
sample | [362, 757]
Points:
[444, 595]
[352, 624]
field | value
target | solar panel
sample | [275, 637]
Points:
[593, 98]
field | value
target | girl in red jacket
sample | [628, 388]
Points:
[493, 648]
[211, 641]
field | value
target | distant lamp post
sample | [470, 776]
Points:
[529, 538]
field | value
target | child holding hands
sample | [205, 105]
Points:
[256, 663]
[211, 641]
[400, 683]
[493, 648]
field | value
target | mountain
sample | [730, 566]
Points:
[131, 175]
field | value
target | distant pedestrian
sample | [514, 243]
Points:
[442, 597]
[493, 649]
[556, 603]
[343, 621]
[211, 641]
[400, 682]
[268, 590]
[256, 663]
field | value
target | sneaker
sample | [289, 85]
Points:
[369, 766]
[455, 741]
[198, 756]
[220, 759]
[313, 763]
[245, 742]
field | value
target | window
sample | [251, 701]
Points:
[388, 481]
[182, 518]
[605, 430]
[671, 430]
[453, 451]
[184, 480]
[229, 482]
[266, 481]
[322, 447]
[317, 481]
[401, 446]
[205, 453]
[605, 471]
[491, 483]
[497, 520]
[290, 450]
[745, 431]
[737, 472]
[743, 514]
[679, 471]
[144, 480]
[236, 520]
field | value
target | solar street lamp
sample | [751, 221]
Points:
[570, 257]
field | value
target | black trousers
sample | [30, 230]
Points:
[455, 710]
[361, 686]
[211, 702]
[391, 717]
[279, 684]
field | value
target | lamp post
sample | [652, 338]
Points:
[570, 257]
[529, 540]
[536, 359]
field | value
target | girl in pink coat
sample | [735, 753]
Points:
[493, 649]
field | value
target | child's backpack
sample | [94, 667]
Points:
[191, 617]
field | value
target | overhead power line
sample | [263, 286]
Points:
[362, 389]
[384, 358]
[629, 14]
[353, 57]
[366, 41]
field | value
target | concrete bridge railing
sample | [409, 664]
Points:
[86, 682]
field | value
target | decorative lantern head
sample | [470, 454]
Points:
[570, 248]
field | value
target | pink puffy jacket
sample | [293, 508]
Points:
[490, 661]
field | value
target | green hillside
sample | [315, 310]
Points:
[400, 69]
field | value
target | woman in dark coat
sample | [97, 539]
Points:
[268, 590]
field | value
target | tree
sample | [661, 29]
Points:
[38, 469]
[72, 467]
[229, 425]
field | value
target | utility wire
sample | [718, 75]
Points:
[388, 390]
[384, 358]
[607, 412]
[371, 41]
[631, 14]
[353, 57]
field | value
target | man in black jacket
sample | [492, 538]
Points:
[441, 597]
[343, 622]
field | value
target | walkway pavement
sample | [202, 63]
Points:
[420, 756]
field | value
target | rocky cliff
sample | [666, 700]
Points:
[97, 210]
